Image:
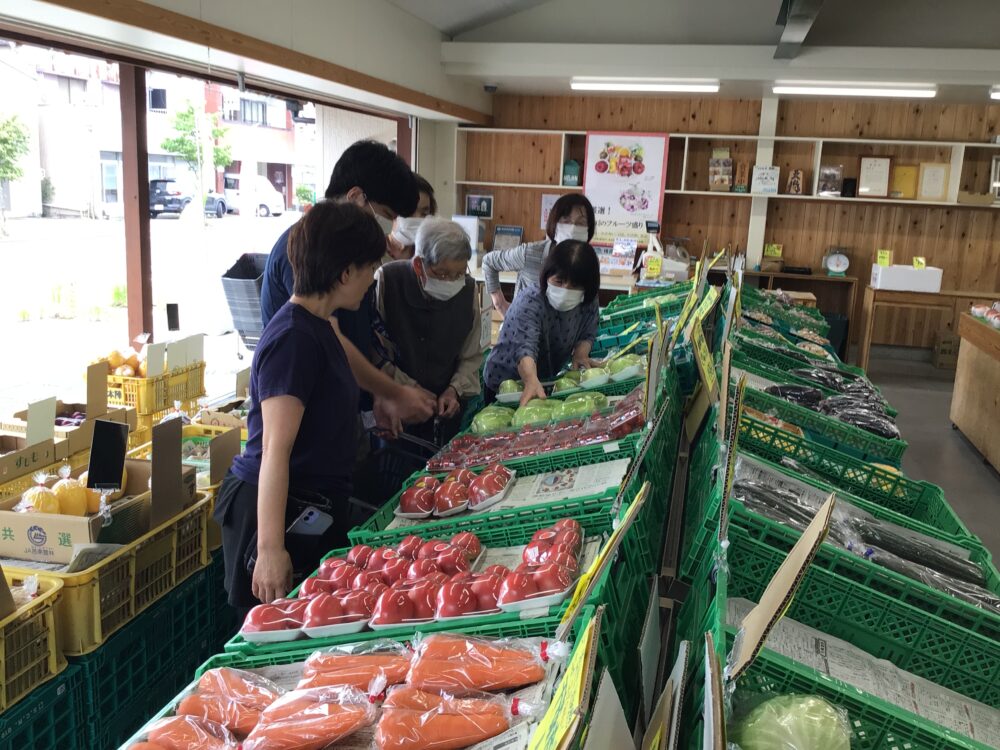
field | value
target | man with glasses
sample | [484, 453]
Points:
[431, 312]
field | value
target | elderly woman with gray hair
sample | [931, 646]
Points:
[431, 311]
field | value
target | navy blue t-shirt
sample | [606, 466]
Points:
[276, 290]
[300, 355]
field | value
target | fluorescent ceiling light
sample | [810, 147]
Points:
[995, 92]
[691, 86]
[835, 88]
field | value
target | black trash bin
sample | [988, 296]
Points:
[241, 284]
[838, 333]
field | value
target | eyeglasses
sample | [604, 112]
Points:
[435, 274]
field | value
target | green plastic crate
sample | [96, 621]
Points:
[224, 620]
[827, 430]
[787, 321]
[781, 361]
[623, 301]
[51, 716]
[145, 663]
[625, 317]
[921, 501]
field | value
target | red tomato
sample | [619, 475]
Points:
[463, 476]
[416, 500]
[409, 546]
[366, 577]
[570, 537]
[527, 568]
[452, 560]
[391, 608]
[316, 585]
[438, 578]
[395, 569]
[420, 568]
[325, 609]
[430, 550]
[376, 588]
[456, 600]
[551, 578]
[463, 576]
[359, 555]
[486, 587]
[423, 595]
[342, 575]
[358, 605]
[516, 587]
[568, 523]
[428, 481]
[535, 552]
[565, 560]
[501, 470]
[544, 535]
[266, 617]
[468, 543]
[327, 566]
[497, 570]
[449, 496]
[485, 486]
[557, 549]
[380, 557]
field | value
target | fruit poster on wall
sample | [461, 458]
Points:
[624, 178]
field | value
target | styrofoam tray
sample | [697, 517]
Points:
[490, 501]
[595, 382]
[539, 602]
[629, 372]
[329, 631]
[272, 636]
[404, 624]
[509, 398]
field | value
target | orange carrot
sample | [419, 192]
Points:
[237, 718]
[413, 699]
[399, 729]
[325, 662]
[188, 733]
[469, 674]
[313, 729]
[244, 687]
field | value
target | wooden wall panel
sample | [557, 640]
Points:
[789, 155]
[516, 206]
[721, 220]
[700, 152]
[640, 113]
[977, 169]
[904, 120]
[513, 157]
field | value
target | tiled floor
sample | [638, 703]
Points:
[937, 453]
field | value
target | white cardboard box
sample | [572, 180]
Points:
[907, 278]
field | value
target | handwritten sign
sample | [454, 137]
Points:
[919, 262]
[703, 358]
[883, 257]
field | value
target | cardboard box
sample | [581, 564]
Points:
[945, 353]
[907, 278]
[18, 459]
[155, 491]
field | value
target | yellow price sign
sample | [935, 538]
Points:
[883, 258]
[707, 304]
[654, 264]
[772, 250]
[919, 262]
[703, 357]
[689, 305]
[564, 710]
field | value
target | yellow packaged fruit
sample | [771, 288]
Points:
[125, 371]
[72, 495]
[131, 358]
[93, 500]
[115, 360]
[141, 372]
[114, 495]
[39, 498]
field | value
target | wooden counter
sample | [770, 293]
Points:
[975, 403]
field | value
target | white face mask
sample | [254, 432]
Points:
[562, 299]
[443, 290]
[567, 231]
[405, 232]
[384, 224]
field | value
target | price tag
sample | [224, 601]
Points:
[703, 358]
[654, 264]
[707, 304]
[883, 257]
[919, 262]
[772, 250]
[689, 305]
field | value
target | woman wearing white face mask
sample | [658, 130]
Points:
[571, 218]
[549, 325]
[431, 312]
[403, 239]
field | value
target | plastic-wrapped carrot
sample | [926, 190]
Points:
[146, 746]
[236, 717]
[311, 719]
[189, 733]
[414, 699]
[243, 687]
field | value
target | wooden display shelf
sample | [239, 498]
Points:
[975, 402]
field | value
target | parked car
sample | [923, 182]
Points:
[253, 194]
[168, 196]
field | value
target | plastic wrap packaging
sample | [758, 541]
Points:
[884, 544]
[456, 663]
[357, 665]
[415, 719]
[312, 719]
[803, 395]
[870, 420]
[230, 697]
[833, 404]
[190, 733]
[821, 376]
[791, 722]
[848, 663]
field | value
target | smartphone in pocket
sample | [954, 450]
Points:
[311, 522]
[300, 536]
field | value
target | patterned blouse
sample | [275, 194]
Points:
[533, 328]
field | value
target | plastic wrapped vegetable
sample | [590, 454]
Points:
[794, 722]
[414, 719]
[492, 418]
[802, 395]
[190, 733]
[356, 665]
[842, 401]
[230, 697]
[870, 420]
[246, 687]
[820, 376]
[311, 719]
[457, 663]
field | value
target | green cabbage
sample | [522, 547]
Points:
[565, 384]
[492, 418]
[624, 362]
[793, 722]
[510, 386]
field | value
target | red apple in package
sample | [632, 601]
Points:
[395, 569]
[421, 568]
[409, 547]
[500, 470]
[423, 595]
[517, 587]
[380, 557]
[326, 567]
[570, 538]
[357, 605]
[323, 610]
[568, 523]
[550, 578]
[416, 500]
[316, 585]
[342, 576]
[430, 550]
[366, 577]
[497, 570]
[450, 495]
[456, 600]
[485, 486]
[486, 587]
[452, 560]
[427, 481]
[462, 476]
[392, 608]
[535, 552]
[469, 543]
[359, 555]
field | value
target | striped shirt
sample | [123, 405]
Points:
[526, 259]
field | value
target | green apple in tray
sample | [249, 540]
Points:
[510, 391]
[594, 377]
[626, 366]
[492, 418]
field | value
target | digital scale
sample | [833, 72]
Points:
[836, 261]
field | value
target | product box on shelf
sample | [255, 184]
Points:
[18, 459]
[907, 278]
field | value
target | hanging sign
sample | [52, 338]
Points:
[624, 178]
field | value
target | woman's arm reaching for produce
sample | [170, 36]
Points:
[272, 574]
[528, 370]
[581, 355]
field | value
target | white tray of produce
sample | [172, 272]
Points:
[272, 636]
[494, 499]
[329, 631]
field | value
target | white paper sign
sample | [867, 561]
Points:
[177, 354]
[624, 179]
[548, 201]
[155, 359]
[41, 421]
[196, 348]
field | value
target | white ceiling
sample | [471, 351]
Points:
[455, 16]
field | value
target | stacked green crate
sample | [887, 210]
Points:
[51, 716]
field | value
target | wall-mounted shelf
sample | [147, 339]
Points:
[519, 185]
[832, 199]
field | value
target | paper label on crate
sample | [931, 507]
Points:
[285, 676]
[86, 556]
[155, 359]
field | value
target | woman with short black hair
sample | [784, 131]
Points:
[302, 442]
[549, 324]
[571, 218]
